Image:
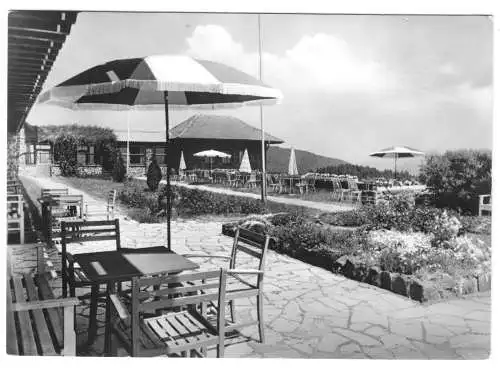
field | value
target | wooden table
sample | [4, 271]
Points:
[111, 267]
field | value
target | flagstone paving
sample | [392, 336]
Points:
[313, 313]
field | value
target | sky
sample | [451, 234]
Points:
[352, 84]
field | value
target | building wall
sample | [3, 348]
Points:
[192, 146]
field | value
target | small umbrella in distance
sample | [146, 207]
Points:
[397, 152]
[210, 154]
[245, 163]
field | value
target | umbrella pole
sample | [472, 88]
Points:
[395, 162]
[167, 155]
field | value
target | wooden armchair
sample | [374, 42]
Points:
[144, 332]
[251, 282]
[15, 215]
[109, 213]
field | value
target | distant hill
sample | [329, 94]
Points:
[277, 160]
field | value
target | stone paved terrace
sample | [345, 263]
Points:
[312, 313]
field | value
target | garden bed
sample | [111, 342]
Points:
[426, 255]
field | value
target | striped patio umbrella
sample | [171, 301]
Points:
[397, 152]
[160, 81]
[245, 163]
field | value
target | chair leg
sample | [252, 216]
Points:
[231, 310]
[260, 317]
[92, 331]
[64, 286]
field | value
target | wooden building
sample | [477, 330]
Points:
[197, 133]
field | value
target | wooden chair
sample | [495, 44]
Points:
[354, 191]
[84, 231]
[14, 187]
[254, 245]
[484, 204]
[15, 215]
[337, 192]
[110, 208]
[144, 333]
[252, 181]
[66, 207]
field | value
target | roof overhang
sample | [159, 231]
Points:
[34, 40]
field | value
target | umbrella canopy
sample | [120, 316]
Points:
[212, 154]
[157, 82]
[245, 163]
[397, 152]
[140, 82]
[182, 164]
[292, 164]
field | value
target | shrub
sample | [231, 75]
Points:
[196, 202]
[457, 177]
[135, 196]
[353, 218]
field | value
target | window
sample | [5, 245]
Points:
[30, 154]
[159, 152]
[137, 154]
[85, 154]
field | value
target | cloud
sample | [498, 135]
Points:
[318, 62]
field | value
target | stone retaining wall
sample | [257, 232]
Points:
[88, 170]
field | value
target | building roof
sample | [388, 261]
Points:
[200, 127]
[34, 40]
[218, 127]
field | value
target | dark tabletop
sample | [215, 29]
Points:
[124, 264]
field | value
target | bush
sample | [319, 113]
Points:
[456, 178]
[353, 218]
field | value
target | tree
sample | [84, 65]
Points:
[65, 147]
[153, 175]
[118, 173]
[457, 177]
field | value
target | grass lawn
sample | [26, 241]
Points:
[98, 188]
[320, 195]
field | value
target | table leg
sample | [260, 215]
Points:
[94, 297]
[110, 289]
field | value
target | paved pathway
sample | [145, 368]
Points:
[312, 313]
[323, 206]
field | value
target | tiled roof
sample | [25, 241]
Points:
[201, 127]
[218, 127]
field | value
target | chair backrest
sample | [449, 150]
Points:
[69, 202]
[148, 295]
[14, 206]
[253, 244]
[86, 231]
[54, 192]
